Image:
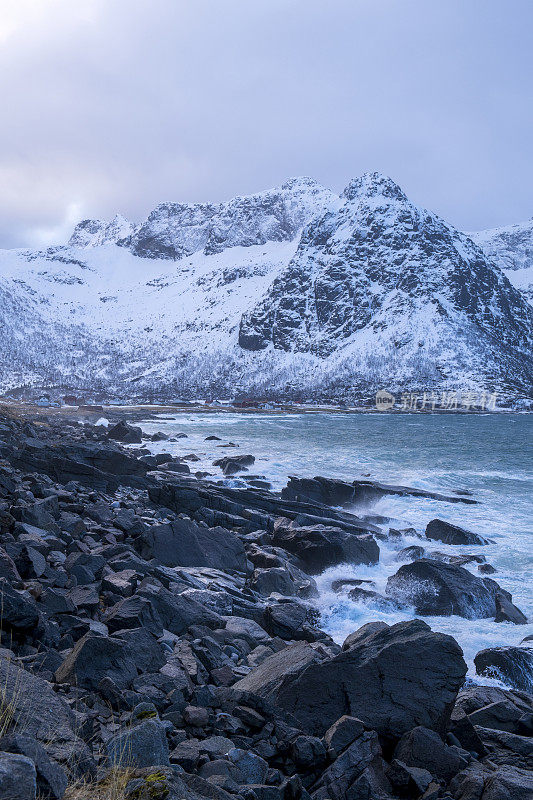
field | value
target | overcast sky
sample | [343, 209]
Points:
[118, 105]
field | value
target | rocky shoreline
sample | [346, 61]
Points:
[158, 640]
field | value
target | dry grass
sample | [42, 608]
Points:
[7, 713]
[112, 787]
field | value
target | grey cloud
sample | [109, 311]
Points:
[117, 105]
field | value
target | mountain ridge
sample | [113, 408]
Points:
[290, 290]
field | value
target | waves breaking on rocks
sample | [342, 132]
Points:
[168, 632]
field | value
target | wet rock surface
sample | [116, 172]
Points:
[160, 628]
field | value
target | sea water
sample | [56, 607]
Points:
[486, 454]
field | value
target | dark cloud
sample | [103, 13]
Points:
[117, 105]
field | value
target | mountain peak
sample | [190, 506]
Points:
[300, 182]
[373, 184]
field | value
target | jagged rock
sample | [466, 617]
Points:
[452, 534]
[230, 465]
[97, 657]
[411, 553]
[342, 733]
[367, 681]
[40, 713]
[437, 588]
[122, 432]
[288, 581]
[289, 621]
[507, 611]
[358, 772]
[332, 492]
[19, 609]
[512, 665]
[247, 629]
[462, 728]
[479, 783]
[101, 466]
[8, 569]
[157, 609]
[252, 767]
[360, 595]
[18, 778]
[185, 543]
[143, 745]
[424, 748]
[318, 547]
[508, 749]
[51, 778]
[407, 780]
[362, 633]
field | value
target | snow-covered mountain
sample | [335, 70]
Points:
[289, 291]
[511, 249]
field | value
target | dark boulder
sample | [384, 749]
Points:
[358, 772]
[342, 733]
[97, 657]
[452, 534]
[39, 712]
[8, 568]
[101, 465]
[436, 588]
[147, 652]
[318, 547]
[284, 666]
[189, 544]
[424, 748]
[511, 665]
[341, 493]
[158, 609]
[230, 465]
[290, 621]
[51, 778]
[407, 781]
[506, 611]
[18, 778]
[19, 609]
[411, 553]
[143, 745]
[480, 783]
[288, 581]
[369, 597]
[504, 748]
[122, 432]
[393, 679]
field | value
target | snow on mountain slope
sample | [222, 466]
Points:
[146, 310]
[176, 230]
[511, 249]
[381, 275]
[289, 291]
[94, 232]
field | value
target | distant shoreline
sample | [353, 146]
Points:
[138, 412]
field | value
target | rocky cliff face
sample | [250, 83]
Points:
[176, 230]
[381, 271]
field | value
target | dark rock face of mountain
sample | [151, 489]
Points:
[380, 268]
